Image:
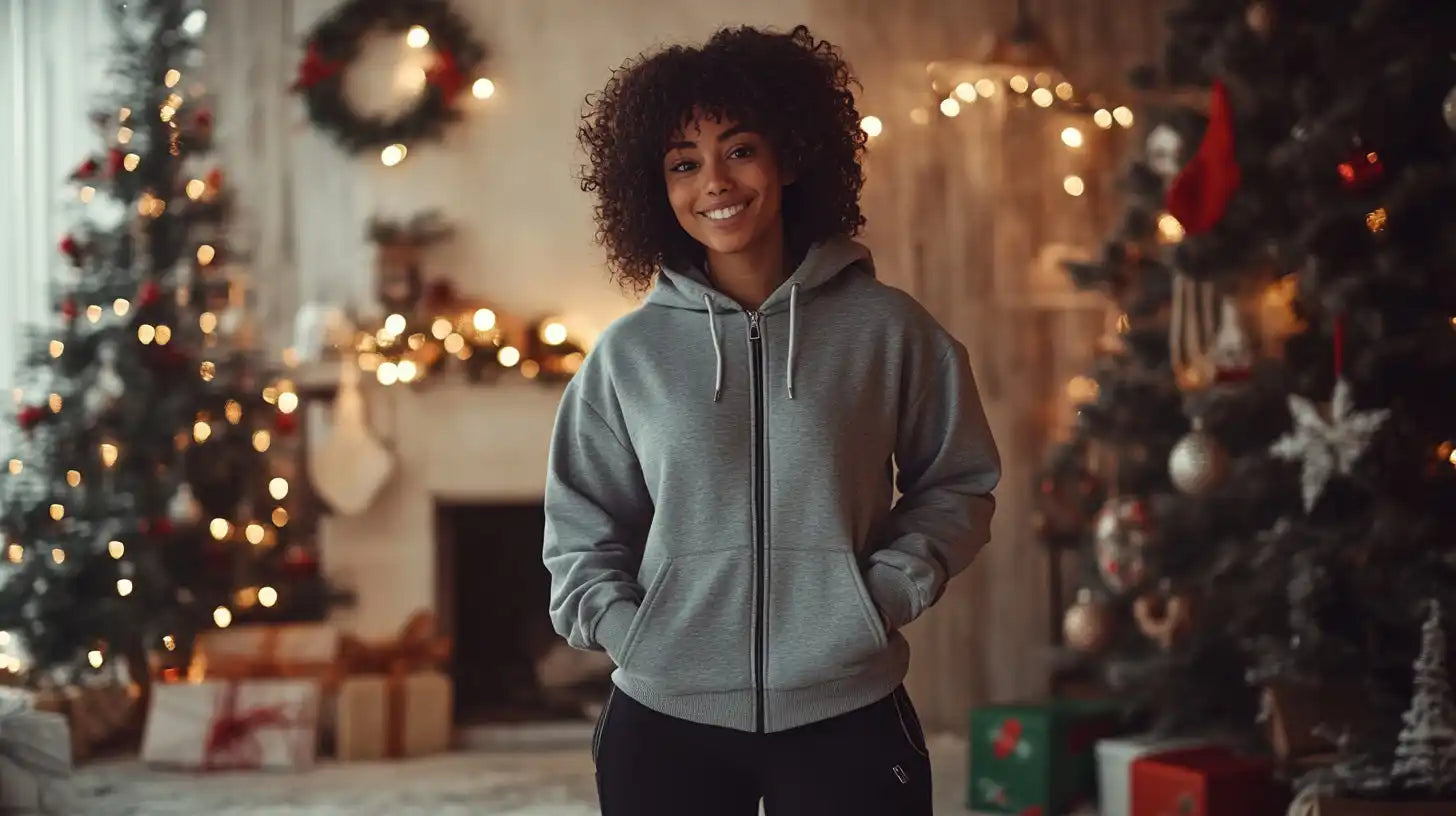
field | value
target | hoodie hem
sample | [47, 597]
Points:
[784, 709]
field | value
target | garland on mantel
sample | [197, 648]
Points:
[334, 44]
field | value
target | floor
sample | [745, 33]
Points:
[499, 777]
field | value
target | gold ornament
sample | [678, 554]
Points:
[1087, 624]
[1163, 616]
[1199, 462]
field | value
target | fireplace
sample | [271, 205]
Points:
[493, 595]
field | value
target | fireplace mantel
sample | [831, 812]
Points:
[453, 442]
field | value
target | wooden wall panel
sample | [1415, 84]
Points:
[969, 215]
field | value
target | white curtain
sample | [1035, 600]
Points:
[53, 58]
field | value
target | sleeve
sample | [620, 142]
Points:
[948, 465]
[597, 514]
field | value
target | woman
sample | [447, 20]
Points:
[719, 511]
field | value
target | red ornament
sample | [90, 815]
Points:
[159, 526]
[71, 248]
[299, 562]
[149, 294]
[87, 170]
[115, 162]
[1361, 171]
[31, 416]
[214, 179]
[68, 308]
[285, 424]
[445, 75]
[1007, 738]
[1202, 191]
[315, 68]
[203, 121]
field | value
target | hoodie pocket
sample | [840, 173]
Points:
[822, 624]
[694, 630]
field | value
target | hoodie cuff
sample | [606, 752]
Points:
[894, 593]
[612, 626]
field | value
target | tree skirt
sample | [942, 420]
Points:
[521, 784]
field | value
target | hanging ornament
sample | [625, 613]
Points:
[71, 248]
[31, 416]
[285, 424]
[1361, 171]
[115, 162]
[1448, 108]
[1326, 441]
[1232, 354]
[1199, 462]
[1191, 332]
[1164, 151]
[1120, 535]
[108, 386]
[68, 309]
[1087, 624]
[184, 507]
[1164, 616]
[1203, 189]
[1260, 18]
[149, 294]
[86, 171]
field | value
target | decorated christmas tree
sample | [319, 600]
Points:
[146, 498]
[1272, 426]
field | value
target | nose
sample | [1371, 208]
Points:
[715, 178]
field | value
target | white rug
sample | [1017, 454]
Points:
[543, 782]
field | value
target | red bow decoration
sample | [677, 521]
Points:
[68, 308]
[232, 741]
[149, 294]
[445, 75]
[114, 162]
[86, 170]
[1007, 738]
[1203, 189]
[71, 248]
[31, 416]
[315, 68]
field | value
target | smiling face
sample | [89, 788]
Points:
[725, 187]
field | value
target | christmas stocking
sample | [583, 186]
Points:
[349, 466]
[1203, 189]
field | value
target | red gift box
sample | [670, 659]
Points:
[1206, 781]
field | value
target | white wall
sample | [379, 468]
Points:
[505, 175]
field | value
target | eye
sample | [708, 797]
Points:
[741, 152]
[682, 166]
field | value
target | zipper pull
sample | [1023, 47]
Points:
[753, 326]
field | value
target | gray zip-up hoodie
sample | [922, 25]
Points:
[719, 510]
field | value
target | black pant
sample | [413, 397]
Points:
[869, 762]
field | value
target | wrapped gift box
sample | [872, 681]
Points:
[1114, 768]
[1037, 756]
[35, 759]
[95, 715]
[267, 650]
[1341, 806]
[1206, 781]
[219, 724]
[389, 716]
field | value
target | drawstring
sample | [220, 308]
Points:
[717, 347]
[793, 334]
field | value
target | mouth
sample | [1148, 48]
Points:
[724, 213]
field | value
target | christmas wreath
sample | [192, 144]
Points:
[334, 44]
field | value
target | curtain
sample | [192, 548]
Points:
[53, 56]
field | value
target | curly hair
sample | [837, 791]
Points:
[791, 88]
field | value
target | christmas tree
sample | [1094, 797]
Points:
[145, 499]
[1273, 428]
[1425, 752]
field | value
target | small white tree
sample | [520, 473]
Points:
[1425, 754]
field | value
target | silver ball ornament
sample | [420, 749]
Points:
[1198, 463]
[1448, 108]
[1119, 536]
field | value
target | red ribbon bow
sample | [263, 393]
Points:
[315, 68]
[445, 75]
[232, 741]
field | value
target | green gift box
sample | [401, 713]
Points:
[1037, 759]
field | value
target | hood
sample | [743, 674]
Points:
[689, 288]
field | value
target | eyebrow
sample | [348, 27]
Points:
[722, 137]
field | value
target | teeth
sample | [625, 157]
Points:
[725, 212]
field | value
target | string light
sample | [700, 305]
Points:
[1074, 185]
[73, 478]
[530, 369]
[254, 533]
[872, 126]
[123, 114]
[196, 188]
[207, 321]
[205, 254]
[1064, 91]
[1122, 115]
[950, 107]
[387, 373]
[208, 370]
[146, 333]
[233, 411]
[270, 394]
[986, 87]
[15, 553]
[1170, 230]
[115, 549]
[395, 324]
[416, 341]
[1102, 118]
[219, 528]
[553, 334]
[966, 91]
[16, 466]
[920, 116]
[86, 194]
[58, 511]
[1043, 79]
[121, 306]
[1375, 221]
[454, 343]
[169, 642]
[166, 112]
[393, 155]
[57, 348]
[93, 313]
[222, 616]
[267, 596]
[201, 431]
[1042, 97]
[483, 88]
[278, 488]
[94, 658]
[56, 403]
[418, 36]
[483, 320]
[287, 402]
[172, 77]
[58, 555]
[408, 371]
[123, 587]
[280, 517]
[508, 356]
[1019, 84]
[108, 454]
[441, 328]
[1071, 137]
[131, 161]
[123, 135]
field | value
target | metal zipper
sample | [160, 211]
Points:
[760, 502]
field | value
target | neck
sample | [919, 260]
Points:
[750, 276]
